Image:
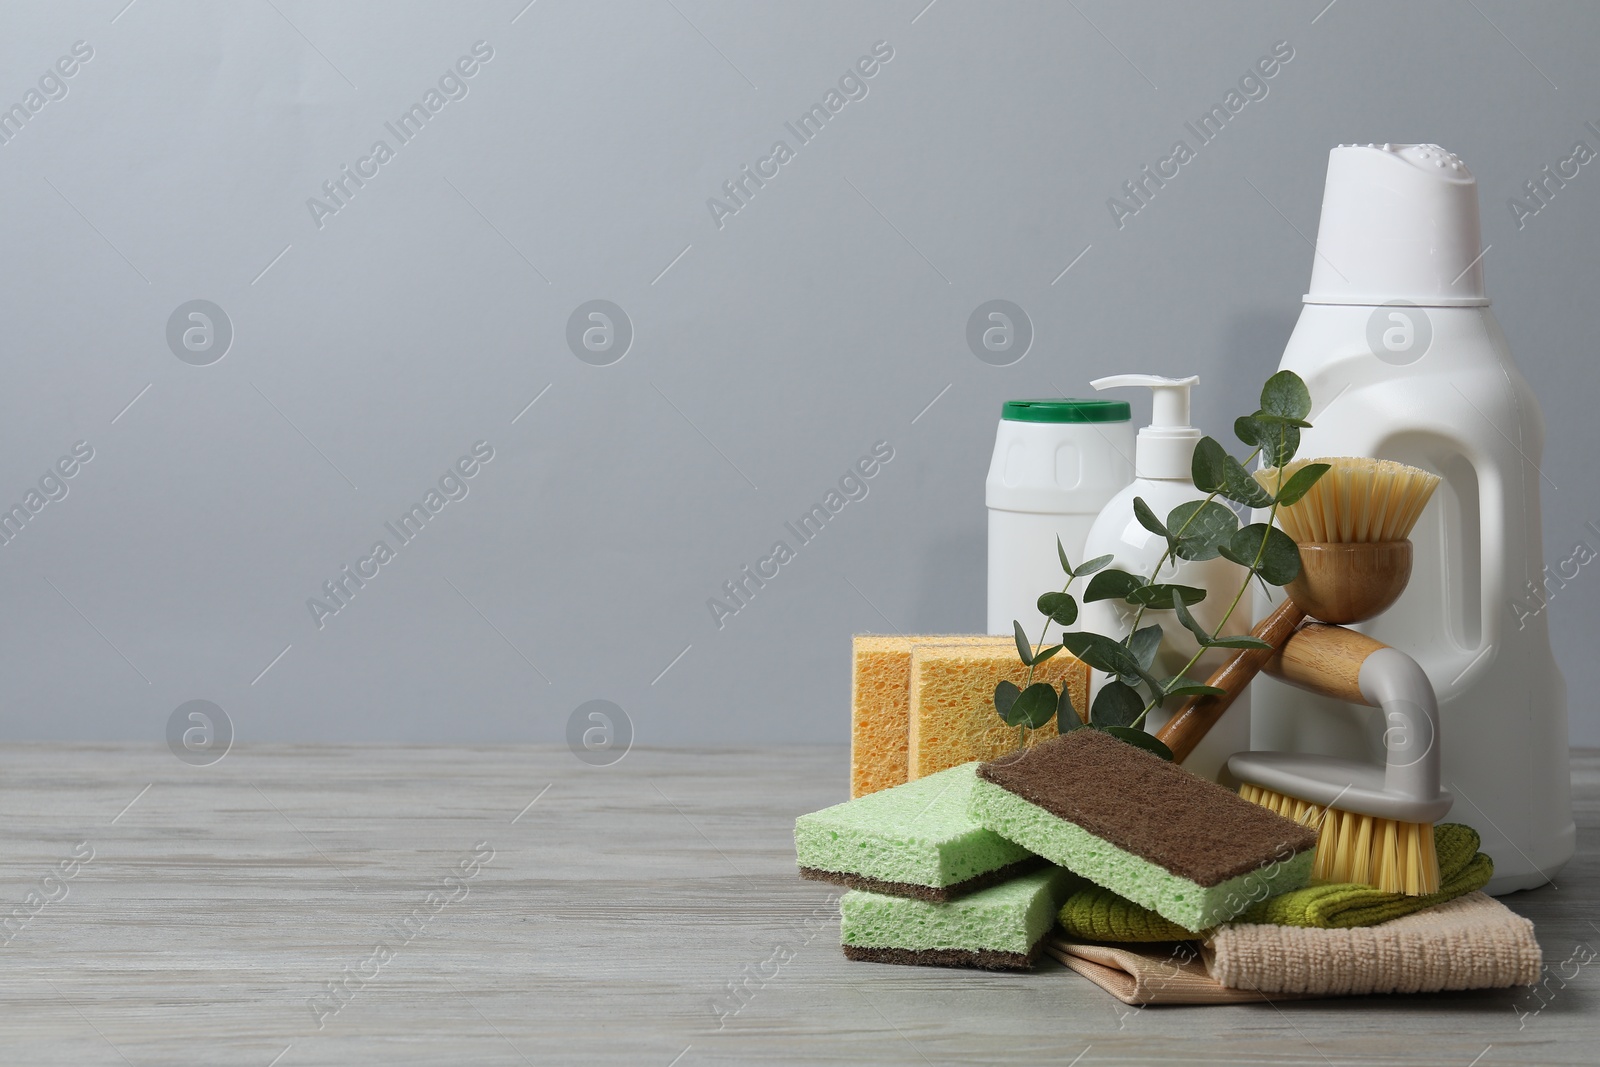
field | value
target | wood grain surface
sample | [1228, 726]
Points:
[620, 906]
[1326, 660]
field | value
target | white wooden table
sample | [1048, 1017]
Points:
[608, 927]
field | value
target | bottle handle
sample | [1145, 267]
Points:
[1495, 589]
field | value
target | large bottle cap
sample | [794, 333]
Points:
[1399, 224]
[1165, 448]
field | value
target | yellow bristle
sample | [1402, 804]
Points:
[1394, 856]
[1357, 501]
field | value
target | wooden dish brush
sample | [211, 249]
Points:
[1353, 531]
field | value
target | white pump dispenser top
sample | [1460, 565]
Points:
[1165, 448]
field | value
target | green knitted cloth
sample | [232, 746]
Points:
[1097, 914]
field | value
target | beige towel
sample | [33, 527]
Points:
[1473, 942]
[1148, 972]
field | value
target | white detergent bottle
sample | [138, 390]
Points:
[1055, 464]
[1404, 361]
[1163, 455]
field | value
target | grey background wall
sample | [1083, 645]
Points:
[372, 346]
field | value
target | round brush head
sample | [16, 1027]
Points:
[1353, 529]
[1350, 583]
[1358, 501]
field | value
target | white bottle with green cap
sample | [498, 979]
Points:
[1163, 457]
[1055, 466]
[1056, 463]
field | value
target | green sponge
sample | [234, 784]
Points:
[914, 840]
[1002, 928]
[1188, 849]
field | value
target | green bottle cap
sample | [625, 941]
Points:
[1068, 410]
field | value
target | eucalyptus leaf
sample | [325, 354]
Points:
[1285, 394]
[1147, 518]
[1207, 641]
[1279, 443]
[1237, 484]
[1102, 653]
[1024, 649]
[1269, 419]
[1164, 596]
[1191, 624]
[1277, 562]
[1239, 641]
[1205, 468]
[1060, 607]
[1150, 681]
[1245, 545]
[1005, 695]
[1062, 553]
[1300, 482]
[1067, 718]
[1093, 565]
[1144, 643]
[1188, 687]
[1201, 526]
[1228, 552]
[1111, 585]
[1116, 705]
[1034, 707]
[1282, 563]
[1045, 653]
[1247, 429]
[1140, 739]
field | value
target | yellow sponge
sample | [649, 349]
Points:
[880, 696]
[952, 719]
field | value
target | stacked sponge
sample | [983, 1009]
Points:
[913, 840]
[928, 885]
[1002, 928]
[923, 704]
[955, 862]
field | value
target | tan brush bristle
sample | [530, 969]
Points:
[1394, 856]
[1358, 501]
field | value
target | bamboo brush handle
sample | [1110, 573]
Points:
[1197, 715]
[1325, 659]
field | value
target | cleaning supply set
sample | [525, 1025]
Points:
[1087, 820]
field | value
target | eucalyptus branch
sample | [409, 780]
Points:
[1250, 573]
[1138, 616]
[1022, 730]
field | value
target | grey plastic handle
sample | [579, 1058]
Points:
[1405, 788]
[1397, 685]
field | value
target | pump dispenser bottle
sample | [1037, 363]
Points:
[1163, 453]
